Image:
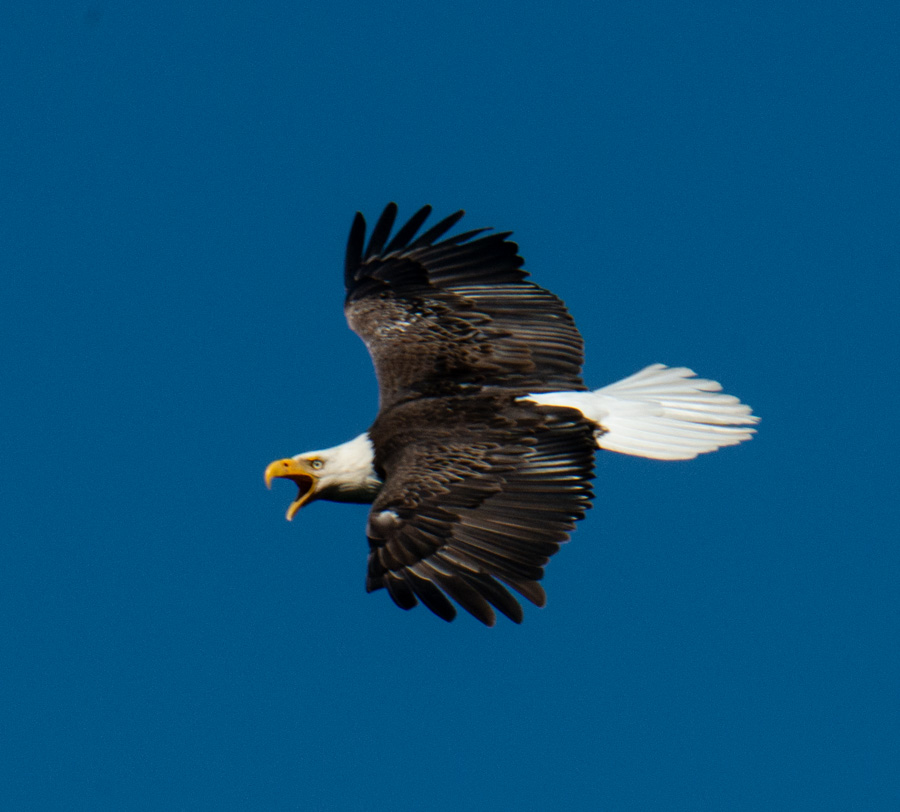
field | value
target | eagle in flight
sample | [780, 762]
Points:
[480, 459]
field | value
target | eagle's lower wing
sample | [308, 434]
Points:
[474, 503]
[443, 316]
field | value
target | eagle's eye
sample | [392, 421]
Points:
[316, 464]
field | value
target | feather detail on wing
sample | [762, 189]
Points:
[467, 510]
[443, 317]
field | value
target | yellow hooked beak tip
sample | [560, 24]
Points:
[299, 475]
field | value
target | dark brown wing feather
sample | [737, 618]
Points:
[479, 492]
[447, 316]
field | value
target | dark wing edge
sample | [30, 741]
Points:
[403, 239]
[496, 525]
[454, 254]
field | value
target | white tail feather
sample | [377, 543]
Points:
[665, 413]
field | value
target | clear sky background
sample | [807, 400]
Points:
[708, 184]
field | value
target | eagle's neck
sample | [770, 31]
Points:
[354, 477]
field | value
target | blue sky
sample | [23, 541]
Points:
[706, 184]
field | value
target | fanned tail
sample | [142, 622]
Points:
[664, 413]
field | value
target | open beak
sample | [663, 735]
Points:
[297, 473]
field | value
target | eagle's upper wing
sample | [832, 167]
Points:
[443, 317]
[478, 491]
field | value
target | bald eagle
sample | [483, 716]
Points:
[481, 456]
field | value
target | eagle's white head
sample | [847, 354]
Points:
[344, 473]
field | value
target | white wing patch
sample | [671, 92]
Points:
[664, 413]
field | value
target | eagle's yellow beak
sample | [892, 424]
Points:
[298, 473]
